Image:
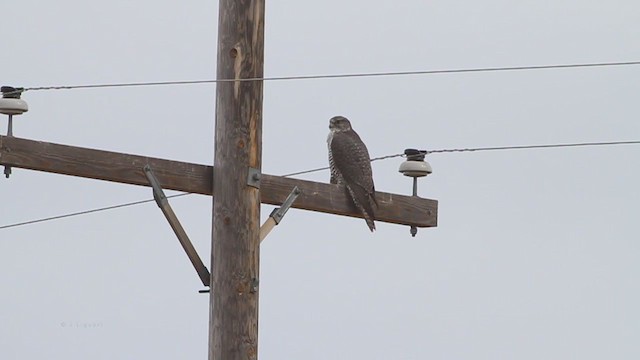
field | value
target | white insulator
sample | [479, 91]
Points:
[10, 106]
[415, 168]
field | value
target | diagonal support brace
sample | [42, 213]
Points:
[163, 204]
[274, 219]
[278, 213]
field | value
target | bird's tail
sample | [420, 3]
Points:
[368, 213]
[370, 223]
[364, 201]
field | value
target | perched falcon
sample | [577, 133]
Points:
[351, 166]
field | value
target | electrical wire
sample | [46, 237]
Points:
[518, 147]
[328, 76]
[334, 76]
[532, 146]
[86, 212]
[327, 168]
[485, 149]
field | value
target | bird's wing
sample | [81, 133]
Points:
[351, 158]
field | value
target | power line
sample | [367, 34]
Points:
[518, 147]
[487, 149]
[533, 146]
[327, 168]
[336, 76]
[86, 212]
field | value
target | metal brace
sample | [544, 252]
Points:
[253, 179]
[158, 194]
[163, 203]
[278, 213]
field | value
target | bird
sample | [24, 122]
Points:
[350, 166]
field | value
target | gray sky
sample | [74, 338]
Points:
[536, 253]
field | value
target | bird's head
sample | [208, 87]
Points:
[339, 123]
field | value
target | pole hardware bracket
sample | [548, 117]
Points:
[253, 177]
[254, 285]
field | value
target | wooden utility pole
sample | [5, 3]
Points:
[237, 182]
[199, 179]
[235, 248]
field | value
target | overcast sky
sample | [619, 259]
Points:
[536, 252]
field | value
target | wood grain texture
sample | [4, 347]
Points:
[235, 248]
[196, 178]
[104, 165]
